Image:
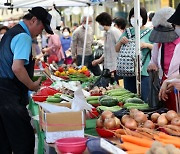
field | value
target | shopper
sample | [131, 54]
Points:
[166, 87]
[3, 30]
[77, 45]
[66, 43]
[120, 23]
[16, 71]
[146, 46]
[111, 37]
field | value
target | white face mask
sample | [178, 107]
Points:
[132, 20]
[177, 30]
[86, 27]
[65, 34]
[101, 27]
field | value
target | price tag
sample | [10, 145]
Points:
[110, 148]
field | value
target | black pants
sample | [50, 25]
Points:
[16, 132]
[88, 62]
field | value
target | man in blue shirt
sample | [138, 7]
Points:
[16, 71]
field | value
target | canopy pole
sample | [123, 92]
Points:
[137, 41]
[85, 38]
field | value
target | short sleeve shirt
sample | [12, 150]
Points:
[21, 45]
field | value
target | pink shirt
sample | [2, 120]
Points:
[168, 53]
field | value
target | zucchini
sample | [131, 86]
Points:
[57, 95]
[118, 93]
[139, 107]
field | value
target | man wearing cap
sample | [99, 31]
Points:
[165, 52]
[167, 86]
[16, 71]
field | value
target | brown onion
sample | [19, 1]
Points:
[133, 112]
[171, 114]
[176, 121]
[99, 123]
[149, 124]
[109, 123]
[125, 118]
[162, 120]
[140, 117]
[106, 114]
[131, 123]
[118, 123]
[154, 117]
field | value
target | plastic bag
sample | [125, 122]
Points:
[153, 99]
[104, 79]
[98, 52]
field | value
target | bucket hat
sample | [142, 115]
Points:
[41, 14]
[163, 31]
[175, 18]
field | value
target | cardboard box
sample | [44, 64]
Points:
[61, 124]
[61, 121]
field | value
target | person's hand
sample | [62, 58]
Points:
[124, 40]
[143, 45]
[36, 84]
[163, 91]
[152, 67]
[174, 84]
[95, 62]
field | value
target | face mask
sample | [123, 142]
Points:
[132, 20]
[177, 30]
[101, 27]
[65, 34]
[86, 26]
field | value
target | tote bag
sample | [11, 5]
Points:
[126, 60]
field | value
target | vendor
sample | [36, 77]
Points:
[16, 71]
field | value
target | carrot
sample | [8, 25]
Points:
[136, 140]
[120, 131]
[166, 136]
[147, 130]
[137, 152]
[147, 135]
[131, 147]
[135, 133]
[171, 141]
[173, 127]
[172, 132]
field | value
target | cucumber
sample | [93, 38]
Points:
[53, 99]
[105, 108]
[93, 102]
[90, 98]
[138, 107]
[134, 100]
[118, 93]
[131, 104]
[109, 102]
[114, 90]
[57, 95]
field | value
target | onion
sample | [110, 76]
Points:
[118, 123]
[176, 121]
[125, 118]
[133, 112]
[171, 114]
[154, 117]
[149, 124]
[131, 123]
[140, 117]
[163, 114]
[109, 123]
[162, 120]
[106, 114]
[99, 123]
